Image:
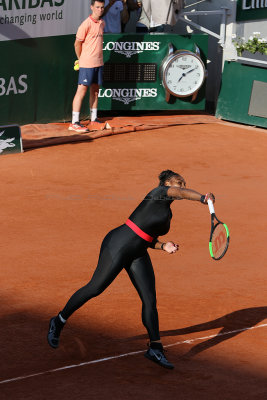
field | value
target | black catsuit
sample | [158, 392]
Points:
[123, 248]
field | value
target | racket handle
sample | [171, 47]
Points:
[211, 206]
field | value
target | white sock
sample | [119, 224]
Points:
[61, 318]
[93, 114]
[75, 117]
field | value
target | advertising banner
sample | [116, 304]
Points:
[38, 83]
[22, 19]
[132, 72]
[10, 139]
[248, 10]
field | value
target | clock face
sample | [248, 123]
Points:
[184, 74]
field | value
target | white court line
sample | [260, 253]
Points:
[19, 378]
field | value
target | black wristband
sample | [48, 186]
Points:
[162, 244]
[202, 199]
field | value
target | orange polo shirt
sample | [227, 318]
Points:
[90, 33]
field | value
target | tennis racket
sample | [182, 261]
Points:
[219, 235]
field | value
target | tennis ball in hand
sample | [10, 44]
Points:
[76, 66]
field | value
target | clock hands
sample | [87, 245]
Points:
[185, 73]
[193, 69]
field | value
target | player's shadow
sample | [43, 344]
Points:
[231, 325]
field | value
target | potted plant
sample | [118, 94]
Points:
[255, 47]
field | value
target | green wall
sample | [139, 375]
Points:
[37, 80]
[234, 98]
[45, 66]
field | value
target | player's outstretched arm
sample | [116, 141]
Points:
[189, 194]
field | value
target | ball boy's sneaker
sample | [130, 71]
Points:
[156, 353]
[77, 127]
[55, 327]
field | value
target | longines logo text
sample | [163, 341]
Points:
[126, 96]
[129, 49]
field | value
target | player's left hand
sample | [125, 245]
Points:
[209, 196]
[171, 247]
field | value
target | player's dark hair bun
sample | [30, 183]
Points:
[166, 175]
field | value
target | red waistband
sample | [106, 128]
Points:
[139, 231]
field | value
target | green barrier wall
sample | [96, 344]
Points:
[37, 81]
[235, 94]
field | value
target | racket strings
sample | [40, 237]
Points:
[219, 241]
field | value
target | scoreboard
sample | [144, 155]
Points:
[132, 78]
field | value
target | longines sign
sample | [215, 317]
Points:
[128, 95]
[129, 49]
[251, 10]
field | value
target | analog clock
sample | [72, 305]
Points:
[182, 73]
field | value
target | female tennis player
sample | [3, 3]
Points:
[126, 247]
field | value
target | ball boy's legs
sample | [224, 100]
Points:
[93, 78]
[95, 123]
[76, 108]
[93, 102]
[96, 82]
[78, 98]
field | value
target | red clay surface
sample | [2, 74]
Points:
[58, 203]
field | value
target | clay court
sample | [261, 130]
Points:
[58, 202]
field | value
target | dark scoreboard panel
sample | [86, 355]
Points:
[128, 72]
[132, 71]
